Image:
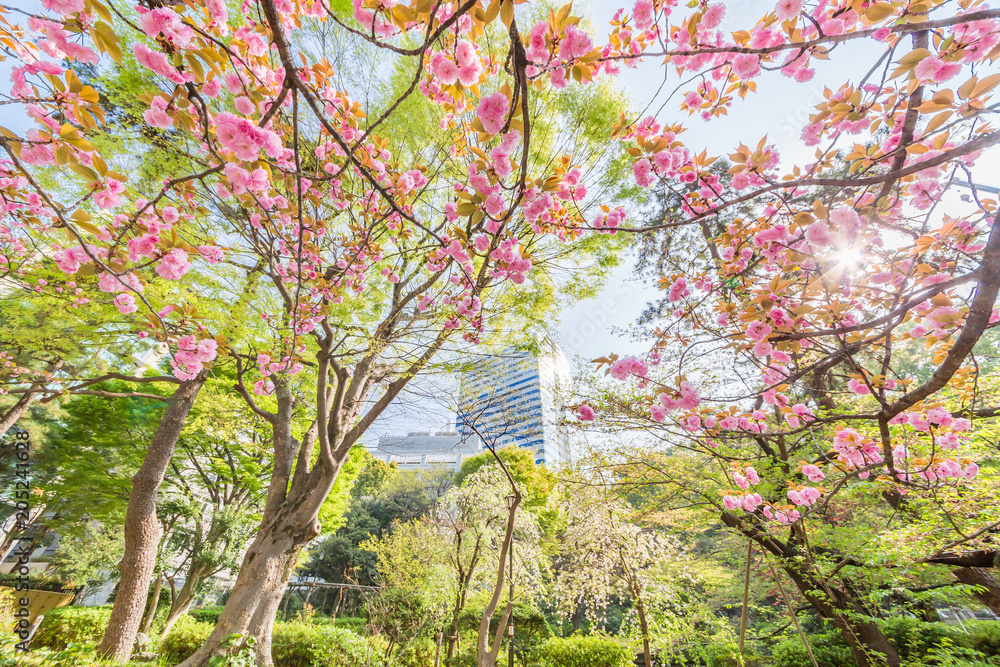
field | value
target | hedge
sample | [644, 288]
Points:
[206, 614]
[916, 641]
[293, 644]
[71, 625]
[583, 652]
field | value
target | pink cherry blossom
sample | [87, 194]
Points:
[173, 265]
[642, 14]
[934, 69]
[758, 330]
[64, 7]
[788, 9]
[211, 253]
[643, 172]
[746, 65]
[492, 111]
[813, 473]
[156, 115]
[126, 303]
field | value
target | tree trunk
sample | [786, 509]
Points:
[486, 652]
[640, 609]
[142, 529]
[869, 645]
[287, 525]
[253, 602]
[978, 576]
[182, 603]
[16, 411]
[453, 632]
[148, 623]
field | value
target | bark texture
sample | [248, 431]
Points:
[287, 525]
[142, 529]
[154, 601]
[978, 576]
[182, 603]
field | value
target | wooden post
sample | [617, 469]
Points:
[336, 607]
[746, 595]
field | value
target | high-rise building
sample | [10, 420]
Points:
[424, 450]
[513, 399]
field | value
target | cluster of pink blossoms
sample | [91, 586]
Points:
[192, 355]
[268, 367]
[665, 164]
[626, 366]
[57, 42]
[492, 111]
[465, 68]
[245, 139]
[751, 501]
[685, 398]
[166, 23]
[574, 44]
[608, 223]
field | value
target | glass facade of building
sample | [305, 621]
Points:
[513, 399]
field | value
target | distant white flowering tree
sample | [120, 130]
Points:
[606, 554]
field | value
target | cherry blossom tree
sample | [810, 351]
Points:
[816, 300]
[605, 553]
[370, 262]
[373, 254]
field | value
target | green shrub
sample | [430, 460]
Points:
[352, 623]
[984, 636]
[206, 614]
[916, 640]
[8, 605]
[913, 638]
[417, 653]
[71, 625]
[292, 645]
[355, 624]
[829, 650]
[712, 651]
[306, 645]
[583, 652]
[184, 639]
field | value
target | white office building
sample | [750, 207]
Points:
[425, 450]
[514, 399]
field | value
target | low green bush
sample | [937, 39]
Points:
[828, 648]
[583, 652]
[353, 623]
[206, 614]
[293, 644]
[71, 625]
[984, 636]
[417, 653]
[306, 645]
[913, 638]
[917, 642]
[183, 639]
